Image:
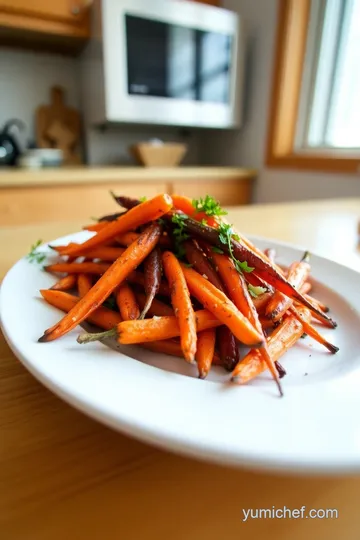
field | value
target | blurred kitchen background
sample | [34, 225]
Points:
[249, 100]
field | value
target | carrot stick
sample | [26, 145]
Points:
[181, 302]
[155, 329]
[157, 308]
[84, 283]
[102, 317]
[261, 301]
[117, 272]
[152, 278]
[201, 264]
[305, 288]
[125, 202]
[64, 284]
[238, 292]
[205, 351]
[128, 238]
[95, 226]
[172, 347]
[282, 339]
[184, 204]
[126, 302]
[141, 214]
[297, 275]
[219, 304]
[138, 278]
[311, 331]
[78, 268]
[228, 348]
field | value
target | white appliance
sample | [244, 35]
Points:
[166, 62]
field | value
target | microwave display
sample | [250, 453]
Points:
[173, 61]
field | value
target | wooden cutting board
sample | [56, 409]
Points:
[59, 126]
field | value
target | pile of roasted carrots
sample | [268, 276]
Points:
[171, 275]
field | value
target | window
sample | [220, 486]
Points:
[315, 108]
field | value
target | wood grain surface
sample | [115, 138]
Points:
[63, 475]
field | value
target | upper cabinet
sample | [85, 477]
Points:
[31, 20]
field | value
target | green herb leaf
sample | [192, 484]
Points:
[226, 234]
[35, 256]
[215, 249]
[209, 205]
[179, 234]
[256, 291]
[142, 199]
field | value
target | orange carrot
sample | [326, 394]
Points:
[302, 316]
[64, 284]
[238, 292]
[155, 329]
[157, 308]
[117, 273]
[138, 278]
[102, 317]
[84, 284]
[95, 226]
[172, 347]
[297, 275]
[78, 268]
[181, 302]
[219, 304]
[205, 351]
[184, 204]
[261, 301]
[305, 288]
[139, 215]
[128, 238]
[126, 302]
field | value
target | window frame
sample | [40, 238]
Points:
[281, 152]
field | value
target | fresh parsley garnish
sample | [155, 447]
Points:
[256, 291]
[142, 199]
[226, 234]
[208, 205]
[35, 256]
[215, 249]
[179, 234]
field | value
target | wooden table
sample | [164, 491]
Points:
[66, 476]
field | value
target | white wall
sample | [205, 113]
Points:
[25, 81]
[247, 146]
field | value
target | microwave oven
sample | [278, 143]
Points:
[166, 62]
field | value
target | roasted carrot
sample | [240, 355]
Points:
[263, 269]
[65, 284]
[84, 283]
[172, 347]
[238, 292]
[317, 303]
[112, 278]
[305, 288]
[297, 275]
[181, 302]
[157, 308]
[137, 278]
[125, 202]
[185, 205]
[261, 301]
[102, 317]
[201, 264]
[128, 238]
[310, 330]
[282, 339]
[141, 214]
[127, 303]
[218, 303]
[95, 227]
[78, 268]
[152, 278]
[155, 329]
[205, 351]
[267, 323]
[228, 348]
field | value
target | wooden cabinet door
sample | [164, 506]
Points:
[64, 10]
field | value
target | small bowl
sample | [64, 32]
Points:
[158, 155]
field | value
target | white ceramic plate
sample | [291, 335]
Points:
[159, 399]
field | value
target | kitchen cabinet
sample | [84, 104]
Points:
[32, 20]
[59, 195]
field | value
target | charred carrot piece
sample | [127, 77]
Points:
[228, 348]
[181, 302]
[65, 284]
[297, 275]
[219, 304]
[261, 301]
[126, 302]
[282, 339]
[205, 351]
[138, 278]
[125, 202]
[155, 329]
[201, 264]
[78, 268]
[311, 331]
[128, 238]
[108, 282]
[139, 215]
[152, 278]
[102, 317]
[84, 283]
[157, 308]
[172, 347]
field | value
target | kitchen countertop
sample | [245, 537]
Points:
[12, 177]
[63, 475]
